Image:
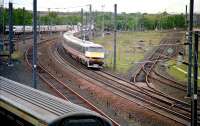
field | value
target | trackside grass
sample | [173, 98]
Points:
[131, 48]
[179, 71]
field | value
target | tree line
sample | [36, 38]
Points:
[125, 22]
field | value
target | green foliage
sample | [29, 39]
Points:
[60, 20]
[150, 21]
[125, 22]
[178, 74]
[18, 17]
[164, 21]
[136, 21]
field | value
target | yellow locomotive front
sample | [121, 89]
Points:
[95, 55]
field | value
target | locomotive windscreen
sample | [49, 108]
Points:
[95, 49]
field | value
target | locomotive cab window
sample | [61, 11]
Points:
[95, 49]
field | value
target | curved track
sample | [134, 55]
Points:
[147, 72]
[60, 87]
[152, 100]
[148, 97]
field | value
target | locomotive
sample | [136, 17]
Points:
[86, 52]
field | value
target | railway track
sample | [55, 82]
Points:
[163, 55]
[19, 38]
[135, 92]
[148, 98]
[146, 70]
[62, 89]
[160, 55]
[167, 81]
[156, 57]
[170, 82]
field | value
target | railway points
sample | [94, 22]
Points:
[81, 68]
[41, 70]
[108, 67]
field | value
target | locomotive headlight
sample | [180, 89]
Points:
[94, 54]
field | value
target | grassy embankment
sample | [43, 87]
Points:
[180, 75]
[130, 49]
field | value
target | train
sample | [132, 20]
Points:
[85, 52]
[18, 29]
[21, 105]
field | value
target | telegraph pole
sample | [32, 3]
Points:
[126, 20]
[23, 25]
[194, 92]
[34, 63]
[10, 34]
[86, 18]
[3, 17]
[82, 23]
[90, 22]
[161, 23]
[102, 28]
[39, 25]
[186, 16]
[49, 21]
[1, 27]
[115, 34]
[94, 14]
[190, 49]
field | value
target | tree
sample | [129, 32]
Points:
[124, 21]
